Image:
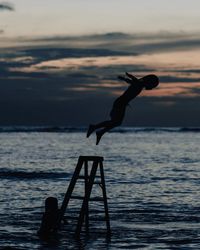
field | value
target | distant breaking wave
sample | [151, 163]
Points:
[40, 129]
[67, 129]
[13, 174]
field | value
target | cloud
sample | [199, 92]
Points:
[6, 6]
[56, 53]
[139, 43]
[88, 66]
[73, 80]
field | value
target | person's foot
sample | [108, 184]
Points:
[90, 130]
[99, 135]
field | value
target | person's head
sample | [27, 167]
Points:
[51, 204]
[150, 81]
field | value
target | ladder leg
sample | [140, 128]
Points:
[105, 199]
[87, 203]
[86, 198]
[70, 189]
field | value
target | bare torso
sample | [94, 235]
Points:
[132, 91]
[119, 105]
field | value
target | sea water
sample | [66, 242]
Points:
[152, 181]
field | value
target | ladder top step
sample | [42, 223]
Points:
[91, 158]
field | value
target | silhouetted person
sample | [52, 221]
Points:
[119, 106]
[50, 218]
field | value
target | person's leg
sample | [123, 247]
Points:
[117, 116]
[93, 127]
[110, 125]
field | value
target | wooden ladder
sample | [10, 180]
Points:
[89, 180]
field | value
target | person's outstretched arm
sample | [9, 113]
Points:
[133, 78]
[130, 79]
[125, 79]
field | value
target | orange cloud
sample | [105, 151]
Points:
[160, 61]
[174, 89]
[166, 64]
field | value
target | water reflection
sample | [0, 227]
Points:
[152, 185]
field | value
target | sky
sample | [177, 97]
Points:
[42, 17]
[60, 61]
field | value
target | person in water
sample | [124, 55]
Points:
[119, 106]
[49, 218]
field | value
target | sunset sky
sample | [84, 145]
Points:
[60, 60]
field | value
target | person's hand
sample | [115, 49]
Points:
[121, 78]
[125, 79]
[130, 76]
[133, 78]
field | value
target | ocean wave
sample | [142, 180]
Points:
[13, 174]
[6, 129]
[67, 129]
[157, 129]
[195, 129]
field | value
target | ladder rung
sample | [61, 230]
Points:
[90, 199]
[71, 217]
[97, 219]
[68, 218]
[96, 199]
[77, 197]
[82, 177]
[91, 218]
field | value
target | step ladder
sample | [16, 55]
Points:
[89, 181]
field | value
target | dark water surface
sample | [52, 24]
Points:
[152, 178]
